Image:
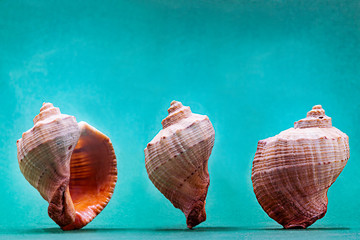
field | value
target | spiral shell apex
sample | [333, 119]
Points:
[293, 170]
[72, 165]
[176, 161]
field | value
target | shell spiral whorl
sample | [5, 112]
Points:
[46, 111]
[176, 112]
[314, 118]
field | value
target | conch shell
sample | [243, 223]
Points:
[293, 170]
[72, 165]
[177, 161]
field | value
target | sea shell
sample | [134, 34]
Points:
[177, 161]
[293, 170]
[72, 165]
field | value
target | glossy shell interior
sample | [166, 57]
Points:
[93, 175]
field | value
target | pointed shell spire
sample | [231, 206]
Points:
[47, 111]
[177, 112]
[314, 118]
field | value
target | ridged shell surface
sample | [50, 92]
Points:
[177, 161]
[72, 165]
[293, 170]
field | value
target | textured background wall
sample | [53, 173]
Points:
[254, 67]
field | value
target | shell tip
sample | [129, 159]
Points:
[197, 214]
[174, 106]
[176, 112]
[47, 110]
[317, 107]
[46, 106]
[316, 111]
[314, 118]
[173, 102]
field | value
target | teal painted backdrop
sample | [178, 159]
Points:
[254, 67]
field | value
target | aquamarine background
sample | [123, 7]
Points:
[254, 67]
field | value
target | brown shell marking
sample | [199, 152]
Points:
[176, 161]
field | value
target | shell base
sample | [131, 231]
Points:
[197, 215]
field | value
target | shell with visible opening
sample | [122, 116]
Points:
[72, 165]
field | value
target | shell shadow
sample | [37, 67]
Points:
[100, 230]
[198, 229]
[302, 229]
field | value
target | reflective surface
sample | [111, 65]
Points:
[180, 233]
